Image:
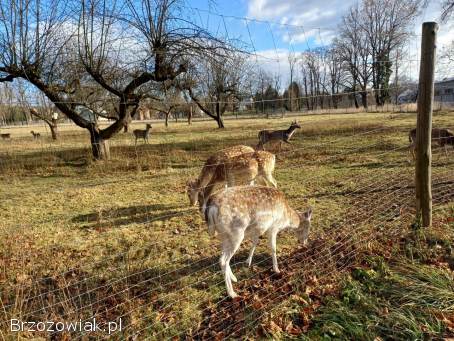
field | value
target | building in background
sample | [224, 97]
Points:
[444, 91]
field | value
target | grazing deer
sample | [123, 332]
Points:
[5, 136]
[277, 135]
[209, 169]
[35, 135]
[248, 211]
[234, 170]
[442, 136]
[143, 134]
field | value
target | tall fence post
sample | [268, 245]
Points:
[423, 172]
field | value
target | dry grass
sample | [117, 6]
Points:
[82, 238]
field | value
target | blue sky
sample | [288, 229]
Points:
[315, 24]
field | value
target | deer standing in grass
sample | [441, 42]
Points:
[142, 134]
[277, 135]
[35, 135]
[441, 136]
[249, 211]
[5, 136]
[233, 166]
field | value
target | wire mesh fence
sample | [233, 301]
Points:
[360, 181]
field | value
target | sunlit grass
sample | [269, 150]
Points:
[123, 229]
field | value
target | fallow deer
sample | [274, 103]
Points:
[277, 135]
[35, 135]
[233, 168]
[143, 134]
[248, 211]
[441, 136]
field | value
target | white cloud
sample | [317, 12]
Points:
[319, 20]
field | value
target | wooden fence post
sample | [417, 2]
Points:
[423, 173]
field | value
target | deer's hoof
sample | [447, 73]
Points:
[233, 295]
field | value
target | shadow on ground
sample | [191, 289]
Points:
[119, 216]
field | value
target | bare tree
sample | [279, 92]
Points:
[313, 69]
[292, 62]
[214, 82]
[39, 106]
[336, 74]
[448, 9]
[101, 63]
[355, 52]
[263, 82]
[386, 24]
[171, 101]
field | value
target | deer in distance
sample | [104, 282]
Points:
[277, 135]
[142, 134]
[249, 211]
[233, 166]
[35, 135]
[5, 136]
[441, 136]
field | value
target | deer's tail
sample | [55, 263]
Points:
[210, 212]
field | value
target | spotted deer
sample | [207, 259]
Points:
[142, 134]
[235, 166]
[249, 211]
[277, 135]
[441, 136]
[35, 135]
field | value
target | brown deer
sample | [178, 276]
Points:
[277, 135]
[35, 135]
[441, 136]
[142, 134]
[233, 166]
[248, 211]
[5, 136]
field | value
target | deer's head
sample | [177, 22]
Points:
[148, 126]
[295, 125]
[192, 191]
[302, 232]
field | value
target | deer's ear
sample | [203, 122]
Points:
[308, 214]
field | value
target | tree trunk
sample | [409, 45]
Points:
[99, 146]
[53, 129]
[219, 117]
[364, 99]
[190, 116]
[125, 128]
[356, 100]
[167, 120]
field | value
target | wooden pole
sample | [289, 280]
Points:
[423, 173]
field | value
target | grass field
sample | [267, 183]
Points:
[117, 239]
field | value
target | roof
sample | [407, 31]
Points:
[445, 80]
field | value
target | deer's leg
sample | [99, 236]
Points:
[270, 180]
[413, 150]
[272, 242]
[229, 249]
[255, 241]
[225, 258]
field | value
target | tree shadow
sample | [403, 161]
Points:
[119, 216]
